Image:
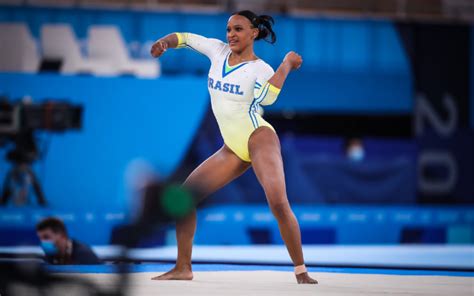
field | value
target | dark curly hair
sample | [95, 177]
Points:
[55, 224]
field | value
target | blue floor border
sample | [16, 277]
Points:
[136, 268]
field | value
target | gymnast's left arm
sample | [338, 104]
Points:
[268, 93]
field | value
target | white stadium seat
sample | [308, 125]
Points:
[18, 50]
[59, 42]
[106, 43]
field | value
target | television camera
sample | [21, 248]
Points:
[19, 120]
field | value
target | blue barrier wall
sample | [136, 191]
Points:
[339, 225]
[243, 225]
[124, 119]
[349, 65]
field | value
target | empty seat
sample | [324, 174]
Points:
[18, 50]
[106, 43]
[59, 43]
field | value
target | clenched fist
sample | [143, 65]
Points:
[293, 59]
[158, 48]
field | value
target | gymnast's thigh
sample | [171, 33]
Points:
[216, 171]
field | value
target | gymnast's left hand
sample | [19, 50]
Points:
[293, 59]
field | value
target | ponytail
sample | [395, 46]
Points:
[263, 23]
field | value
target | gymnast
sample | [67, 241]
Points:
[239, 83]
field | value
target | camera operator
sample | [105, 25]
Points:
[59, 248]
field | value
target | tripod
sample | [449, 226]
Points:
[21, 177]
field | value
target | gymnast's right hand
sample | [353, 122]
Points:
[158, 48]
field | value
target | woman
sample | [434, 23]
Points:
[238, 83]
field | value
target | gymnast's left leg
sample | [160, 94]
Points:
[264, 148]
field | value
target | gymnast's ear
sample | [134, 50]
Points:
[255, 33]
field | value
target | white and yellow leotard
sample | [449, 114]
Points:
[236, 91]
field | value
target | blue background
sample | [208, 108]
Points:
[350, 66]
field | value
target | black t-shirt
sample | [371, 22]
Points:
[81, 254]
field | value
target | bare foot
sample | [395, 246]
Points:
[304, 278]
[175, 274]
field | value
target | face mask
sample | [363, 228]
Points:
[49, 248]
[356, 154]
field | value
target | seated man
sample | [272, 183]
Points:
[59, 248]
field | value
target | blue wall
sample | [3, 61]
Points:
[339, 225]
[255, 224]
[349, 65]
[124, 119]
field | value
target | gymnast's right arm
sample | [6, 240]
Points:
[162, 44]
[209, 47]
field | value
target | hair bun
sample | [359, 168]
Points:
[263, 23]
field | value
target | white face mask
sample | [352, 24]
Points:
[356, 154]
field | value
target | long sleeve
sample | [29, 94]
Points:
[209, 47]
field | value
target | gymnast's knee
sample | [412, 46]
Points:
[280, 209]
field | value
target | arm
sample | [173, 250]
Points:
[207, 46]
[268, 93]
[162, 44]
[292, 61]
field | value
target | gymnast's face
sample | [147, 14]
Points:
[240, 33]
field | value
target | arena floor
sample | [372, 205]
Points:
[407, 271]
[283, 283]
[218, 279]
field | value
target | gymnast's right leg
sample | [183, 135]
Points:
[214, 173]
